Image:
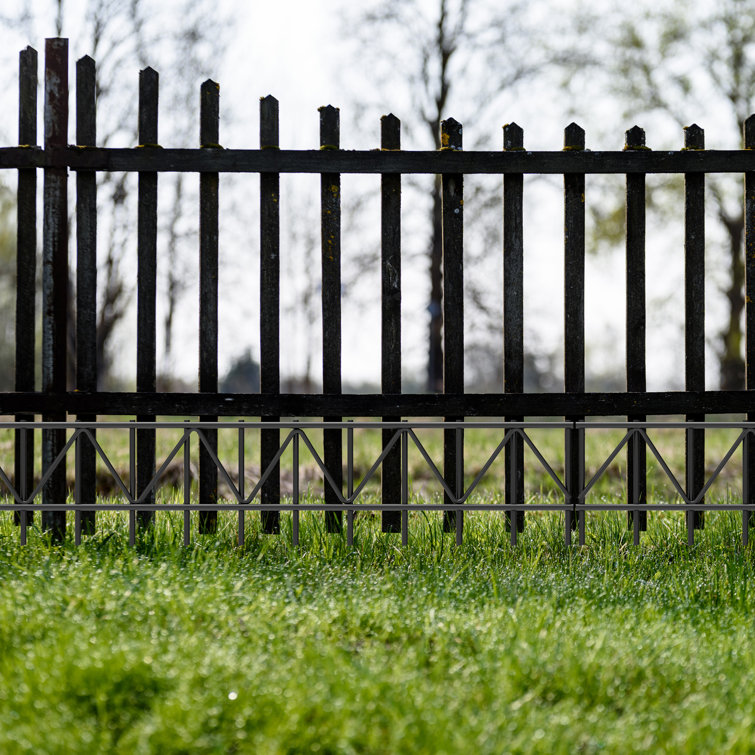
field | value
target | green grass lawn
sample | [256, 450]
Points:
[431, 648]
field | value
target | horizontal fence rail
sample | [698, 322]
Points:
[298, 436]
[220, 160]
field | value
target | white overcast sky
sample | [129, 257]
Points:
[293, 49]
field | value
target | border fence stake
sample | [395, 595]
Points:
[26, 267]
[209, 138]
[635, 319]
[270, 306]
[146, 288]
[330, 209]
[452, 219]
[513, 318]
[55, 278]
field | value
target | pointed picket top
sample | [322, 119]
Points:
[635, 138]
[27, 96]
[86, 117]
[450, 134]
[749, 132]
[694, 137]
[269, 122]
[148, 95]
[390, 132]
[209, 114]
[513, 136]
[574, 137]
[330, 127]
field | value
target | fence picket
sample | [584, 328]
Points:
[209, 138]
[452, 213]
[330, 201]
[390, 355]
[26, 272]
[513, 320]
[86, 284]
[574, 321]
[635, 324]
[270, 306]
[694, 319]
[55, 278]
[146, 287]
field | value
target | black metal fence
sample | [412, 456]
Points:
[56, 404]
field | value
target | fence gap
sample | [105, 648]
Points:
[26, 272]
[694, 319]
[635, 325]
[146, 288]
[209, 138]
[330, 203]
[55, 278]
[270, 308]
[513, 320]
[574, 323]
[452, 214]
[390, 139]
[86, 285]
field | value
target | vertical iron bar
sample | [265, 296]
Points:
[78, 444]
[132, 486]
[209, 136]
[350, 483]
[452, 216]
[86, 284]
[242, 482]
[55, 278]
[574, 320]
[569, 439]
[187, 485]
[636, 467]
[24, 490]
[749, 210]
[330, 199]
[26, 271]
[635, 319]
[295, 490]
[390, 139]
[404, 470]
[146, 287]
[459, 484]
[270, 307]
[694, 319]
[513, 319]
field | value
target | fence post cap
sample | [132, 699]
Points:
[513, 136]
[694, 137]
[574, 137]
[635, 138]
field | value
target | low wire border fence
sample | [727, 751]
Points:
[574, 487]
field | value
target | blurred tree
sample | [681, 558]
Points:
[685, 62]
[440, 58]
[243, 375]
[183, 41]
